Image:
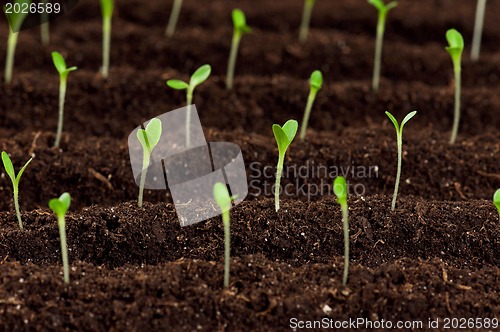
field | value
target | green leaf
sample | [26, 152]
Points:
[150, 136]
[107, 7]
[200, 76]
[407, 118]
[60, 205]
[9, 168]
[177, 84]
[394, 121]
[340, 189]
[496, 199]
[17, 19]
[240, 21]
[316, 80]
[222, 198]
[22, 170]
[285, 135]
[59, 62]
[381, 6]
[455, 45]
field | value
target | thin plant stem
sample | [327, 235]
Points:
[398, 175]
[16, 205]
[227, 247]
[345, 221]
[456, 118]
[145, 165]
[307, 113]
[64, 250]
[11, 50]
[232, 59]
[478, 29]
[306, 20]
[62, 96]
[188, 116]
[378, 51]
[44, 28]
[279, 171]
[106, 45]
[174, 16]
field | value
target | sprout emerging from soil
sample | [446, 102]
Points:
[223, 200]
[60, 206]
[478, 30]
[399, 135]
[60, 65]
[284, 137]
[199, 76]
[107, 7]
[174, 17]
[455, 49]
[44, 27]
[340, 190]
[306, 20]
[9, 168]
[316, 82]
[383, 10]
[16, 20]
[496, 201]
[148, 138]
[240, 27]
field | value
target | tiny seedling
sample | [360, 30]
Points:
[9, 168]
[478, 30]
[60, 206]
[223, 200]
[44, 27]
[240, 27]
[306, 20]
[340, 190]
[284, 137]
[174, 17]
[496, 201]
[455, 49]
[16, 19]
[148, 138]
[199, 76]
[60, 65]
[383, 10]
[399, 135]
[107, 7]
[316, 82]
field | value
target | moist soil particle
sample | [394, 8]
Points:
[436, 256]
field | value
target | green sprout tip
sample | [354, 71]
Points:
[240, 27]
[60, 207]
[316, 82]
[455, 49]
[340, 190]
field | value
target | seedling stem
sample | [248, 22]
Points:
[223, 200]
[44, 27]
[455, 49]
[478, 30]
[306, 20]
[60, 206]
[107, 7]
[316, 82]
[15, 22]
[240, 27]
[174, 17]
[340, 190]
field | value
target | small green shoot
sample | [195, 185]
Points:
[478, 30]
[223, 200]
[496, 201]
[148, 138]
[455, 49]
[306, 20]
[174, 17]
[240, 27]
[383, 10]
[107, 7]
[284, 137]
[399, 135]
[60, 65]
[340, 190]
[199, 76]
[316, 82]
[44, 27]
[60, 206]
[16, 20]
[9, 168]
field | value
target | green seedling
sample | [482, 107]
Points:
[174, 17]
[399, 135]
[284, 137]
[223, 200]
[240, 27]
[455, 49]
[478, 30]
[306, 20]
[60, 65]
[316, 82]
[496, 201]
[44, 27]
[107, 7]
[60, 206]
[9, 168]
[340, 190]
[148, 138]
[383, 10]
[199, 76]
[16, 20]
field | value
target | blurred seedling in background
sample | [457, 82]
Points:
[240, 27]
[44, 27]
[316, 82]
[107, 7]
[340, 190]
[478, 30]
[60, 207]
[306, 20]
[174, 17]
[455, 49]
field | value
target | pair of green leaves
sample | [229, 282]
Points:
[456, 46]
[198, 77]
[9, 168]
[381, 6]
[285, 135]
[316, 81]
[399, 129]
[150, 136]
[240, 22]
[60, 65]
[60, 205]
[340, 190]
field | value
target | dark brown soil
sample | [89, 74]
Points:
[436, 256]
